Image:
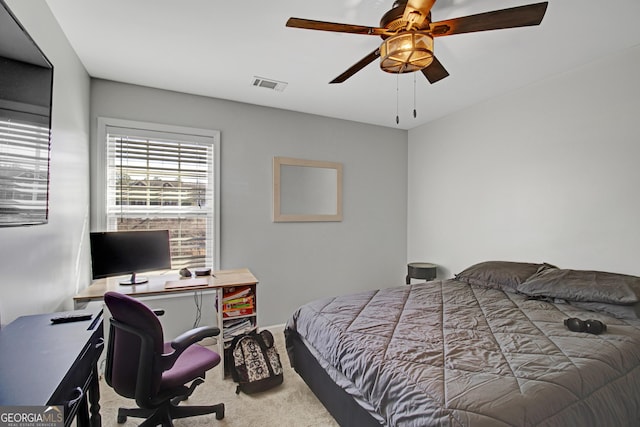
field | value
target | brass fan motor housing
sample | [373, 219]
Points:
[394, 20]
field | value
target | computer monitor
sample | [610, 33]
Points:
[115, 253]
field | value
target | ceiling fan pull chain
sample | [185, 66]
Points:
[397, 99]
[415, 114]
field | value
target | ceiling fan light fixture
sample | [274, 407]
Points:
[406, 52]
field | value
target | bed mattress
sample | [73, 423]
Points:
[451, 353]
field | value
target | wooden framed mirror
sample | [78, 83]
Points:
[306, 190]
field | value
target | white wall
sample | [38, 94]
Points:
[294, 262]
[42, 266]
[547, 173]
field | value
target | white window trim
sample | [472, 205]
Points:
[100, 174]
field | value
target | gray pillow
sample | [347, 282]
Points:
[615, 310]
[583, 285]
[503, 275]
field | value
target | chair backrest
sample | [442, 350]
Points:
[135, 344]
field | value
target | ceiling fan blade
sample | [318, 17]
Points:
[310, 24]
[521, 16]
[357, 66]
[435, 71]
[417, 11]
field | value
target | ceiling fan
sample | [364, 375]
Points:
[407, 33]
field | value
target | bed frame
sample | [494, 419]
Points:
[340, 404]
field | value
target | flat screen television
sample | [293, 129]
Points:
[117, 253]
[26, 89]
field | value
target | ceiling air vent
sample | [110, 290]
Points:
[268, 83]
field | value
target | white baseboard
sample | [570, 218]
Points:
[278, 328]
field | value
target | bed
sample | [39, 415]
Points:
[486, 348]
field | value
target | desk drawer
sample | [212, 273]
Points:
[73, 389]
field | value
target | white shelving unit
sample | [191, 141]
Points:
[236, 314]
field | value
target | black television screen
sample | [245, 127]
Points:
[115, 253]
[26, 88]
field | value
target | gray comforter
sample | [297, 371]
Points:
[449, 353]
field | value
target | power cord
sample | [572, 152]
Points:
[197, 297]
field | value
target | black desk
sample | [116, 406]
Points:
[42, 364]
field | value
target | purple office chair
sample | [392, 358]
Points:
[141, 366]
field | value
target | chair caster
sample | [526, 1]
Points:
[121, 419]
[219, 411]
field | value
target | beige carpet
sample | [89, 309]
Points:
[290, 404]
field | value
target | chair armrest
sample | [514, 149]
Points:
[182, 342]
[193, 336]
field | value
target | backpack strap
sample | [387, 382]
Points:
[267, 338]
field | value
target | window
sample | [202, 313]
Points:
[163, 177]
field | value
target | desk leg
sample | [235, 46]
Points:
[94, 398]
[82, 417]
[79, 305]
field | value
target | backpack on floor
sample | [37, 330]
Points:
[255, 363]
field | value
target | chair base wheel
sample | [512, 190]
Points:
[219, 411]
[121, 419]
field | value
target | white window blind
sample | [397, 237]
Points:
[160, 180]
[24, 172]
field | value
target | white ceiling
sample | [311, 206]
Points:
[214, 48]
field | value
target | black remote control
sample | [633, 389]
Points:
[72, 317]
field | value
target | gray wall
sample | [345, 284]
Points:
[43, 266]
[294, 262]
[547, 173]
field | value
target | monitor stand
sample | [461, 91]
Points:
[134, 280]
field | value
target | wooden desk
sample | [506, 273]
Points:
[156, 285]
[43, 364]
